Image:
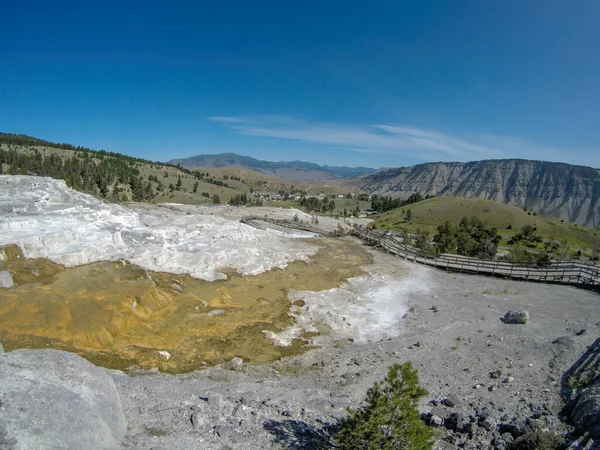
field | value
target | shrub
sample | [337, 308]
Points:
[537, 439]
[390, 419]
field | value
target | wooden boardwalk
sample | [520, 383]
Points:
[255, 221]
[585, 275]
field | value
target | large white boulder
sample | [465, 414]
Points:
[57, 400]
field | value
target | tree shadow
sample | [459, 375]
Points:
[297, 435]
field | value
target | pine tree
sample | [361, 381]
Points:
[390, 419]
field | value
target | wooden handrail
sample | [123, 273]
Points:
[565, 273]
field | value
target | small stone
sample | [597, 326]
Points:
[197, 420]
[507, 437]
[489, 424]
[6, 279]
[165, 354]
[470, 427]
[439, 411]
[516, 317]
[451, 401]
[477, 386]
[224, 431]
[177, 288]
[436, 421]
[509, 380]
[236, 363]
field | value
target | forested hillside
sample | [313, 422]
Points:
[118, 177]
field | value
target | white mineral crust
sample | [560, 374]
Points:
[46, 219]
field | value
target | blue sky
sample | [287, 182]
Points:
[377, 83]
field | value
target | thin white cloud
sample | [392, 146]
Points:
[400, 140]
[224, 119]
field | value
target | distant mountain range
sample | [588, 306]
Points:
[292, 170]
[558, 190]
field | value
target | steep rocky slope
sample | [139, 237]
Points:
[559, 190]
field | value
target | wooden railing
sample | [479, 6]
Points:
[298, 225]
[565, 273]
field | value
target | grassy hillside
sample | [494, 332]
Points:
[117, 177]
[429, 214]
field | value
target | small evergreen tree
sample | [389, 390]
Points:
[390, 419]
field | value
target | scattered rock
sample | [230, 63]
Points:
[164, 354]
[436, 421]
[470, 427]
[586, 413]
[451, 401]
[440, 412]
[6, 279]
[198, 421]
[225, 431]
[516, 317]
[489, 424]
[177, 288]
[236, 363]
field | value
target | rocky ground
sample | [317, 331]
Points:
[486, 379]
[497, 376]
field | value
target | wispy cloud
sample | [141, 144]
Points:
[398, 140]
